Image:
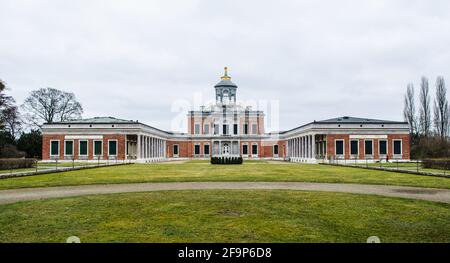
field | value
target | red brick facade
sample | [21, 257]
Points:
[331, 151]
[47, 138]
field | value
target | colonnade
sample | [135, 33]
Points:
[149, 147]
[301, 148]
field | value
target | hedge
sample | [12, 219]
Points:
[443, 164]
[226, 160]
[16, 163]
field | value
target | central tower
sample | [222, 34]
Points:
[225, 90]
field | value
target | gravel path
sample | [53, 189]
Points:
[25, 194]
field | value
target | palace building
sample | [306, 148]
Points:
[226, 129]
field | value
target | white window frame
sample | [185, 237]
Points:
[73, 148]
[246, 155]
[209, 147]
[257, 150]
[87, 147]
[59, 147]
[197, 132]
[227, 129]
[387, 147]
[204, 128]
[117, 147]
[273, 150]
[254, 131]
[237, 129]
[199, 149]
[178, 150]
[343, 147]
[365, 147]
[350, 147]
[401, 147]
[243, 129]
[101, 148]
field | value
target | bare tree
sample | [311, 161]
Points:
[13, 123]
[441, 108]
[6, 102]
[51, 105]
[409, 110]
[425, 109]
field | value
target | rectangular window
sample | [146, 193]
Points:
[68, 148]
[245, 128]
[254, 129]
[206, 149]
[197, 128]
[382, 144]
[112, 148]
[225, 129]
[354, 147]
[339, 147]
[275, 149]
[98, 148]
[83, 149]
[206, 128]
[244, 149]
[216, 129]
[196, 149]
[54, 148]
[254, 149]
[175, 149]
[397, 147]
[368, 147]
[235, 129]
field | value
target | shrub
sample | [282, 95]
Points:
[436, 163]
[15, 163]
[227, 160]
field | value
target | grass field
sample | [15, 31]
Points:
[203, 171]
[226, 216]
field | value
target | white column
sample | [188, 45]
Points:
[297, 146]
[165, 148]
[158, 148]
[313, 149]
[138, 153]
[303, 146]
[146, 147]
[151, 147]
[307, 146]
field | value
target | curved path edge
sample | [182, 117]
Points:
[27, 194]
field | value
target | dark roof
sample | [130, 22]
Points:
[347, 119]
[225, 83]
[97, 120]
[106, 120]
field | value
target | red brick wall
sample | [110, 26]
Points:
[185, 149]
[405, 145]
[121, 143]
[404, 137]
[331, 144]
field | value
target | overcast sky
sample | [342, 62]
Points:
[134, 59]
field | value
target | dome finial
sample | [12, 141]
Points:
[225, 76]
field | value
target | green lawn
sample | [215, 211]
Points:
[411, 166]
[197, 171]
[226, 216]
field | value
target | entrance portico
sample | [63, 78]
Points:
[226, 147]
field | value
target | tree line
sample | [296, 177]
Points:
[428, 120]
[20, 125]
